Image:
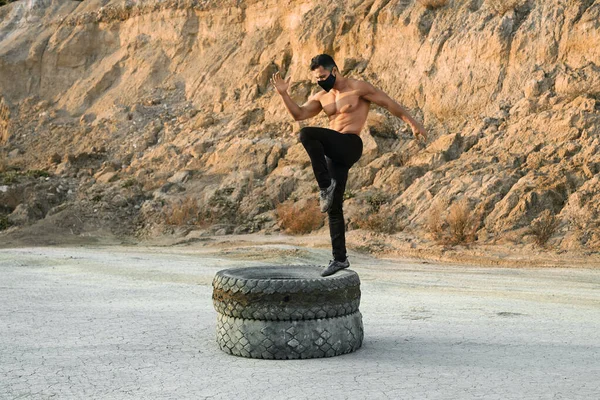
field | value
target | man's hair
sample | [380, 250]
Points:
[323, 60]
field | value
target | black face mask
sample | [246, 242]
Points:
[327, 84]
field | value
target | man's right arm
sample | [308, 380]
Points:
[308, 110]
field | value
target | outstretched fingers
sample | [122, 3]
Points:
[276, 77]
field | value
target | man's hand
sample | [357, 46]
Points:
[280, 85]
[308, 110]
[418, 130]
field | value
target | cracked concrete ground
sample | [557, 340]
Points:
[130, 322]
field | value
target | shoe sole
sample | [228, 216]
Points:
[329, 207]
[336, 271]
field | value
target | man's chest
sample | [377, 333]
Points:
[342, 103]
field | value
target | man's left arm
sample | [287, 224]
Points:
[377, 96]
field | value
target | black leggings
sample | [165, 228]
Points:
[332, 154]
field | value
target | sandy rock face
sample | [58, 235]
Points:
[138, 95]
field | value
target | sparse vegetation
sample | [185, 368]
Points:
[9, 177]
[377, 217]
[462, 222]
[36, 173]
[435, 223]
[218, 210]
[380, 222]
[348, 194]
[182, 212]
[300, 218]
[152, 184]
[4, 222]
[376, 200]
[4, 121]
[221, 209]
[459, 227]
[579, 218]
[433, 4]
[129, 183]
[544, 227]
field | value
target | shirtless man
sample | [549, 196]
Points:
[333, 151]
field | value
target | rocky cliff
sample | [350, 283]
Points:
[132, 116]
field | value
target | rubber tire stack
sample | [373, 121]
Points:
[287, 312]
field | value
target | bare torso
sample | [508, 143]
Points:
[346, 109]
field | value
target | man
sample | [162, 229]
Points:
[333, 151]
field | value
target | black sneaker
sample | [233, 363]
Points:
[326, 197]
[335, 266]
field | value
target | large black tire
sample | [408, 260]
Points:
[283, 340]
[285, 293]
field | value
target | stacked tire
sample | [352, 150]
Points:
[287, 312]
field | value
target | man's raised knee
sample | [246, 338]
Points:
[305, 134]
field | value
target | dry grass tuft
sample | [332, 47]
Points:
[544, 227]
[4, 121]
[501, 7]
[4, 222]
[433, 4]
[435, 223]
[183, 212]
[580, 218]
[462, 222]
[9, 177]
[220, 209]
[459, 227]
[379, 222]
[300, 218]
